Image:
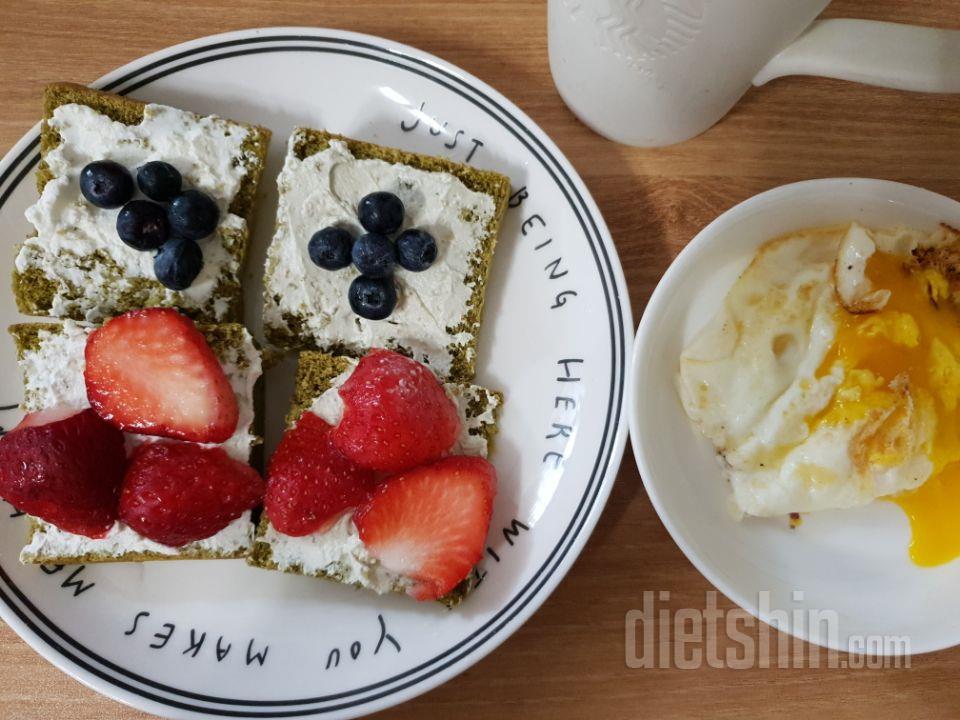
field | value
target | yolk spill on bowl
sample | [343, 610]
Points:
[917, 337]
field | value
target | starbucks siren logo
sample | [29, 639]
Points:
[642, 32]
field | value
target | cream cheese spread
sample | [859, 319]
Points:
[51, 541]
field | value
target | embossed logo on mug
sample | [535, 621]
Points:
[641, 32]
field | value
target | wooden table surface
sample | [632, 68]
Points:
[568, 660]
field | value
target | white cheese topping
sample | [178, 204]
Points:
[76, 244]
[324, 189]
[338, 549]
[51, 541]
[53, 376]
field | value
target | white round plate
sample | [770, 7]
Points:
[190, 639]
[853, 563]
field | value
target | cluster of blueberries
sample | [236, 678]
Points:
[171, 230]
[373, 294]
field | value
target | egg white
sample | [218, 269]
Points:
[748, 381]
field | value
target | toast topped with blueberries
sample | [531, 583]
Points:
[140, 205]
[378, 247]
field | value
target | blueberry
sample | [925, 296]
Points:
[142, 225]
[178, 263]
[193, 215]
[372, 298]
[159, 180]
[380, 212]
[416, 250]
[374, 255]
[106, 184]
[330, 248]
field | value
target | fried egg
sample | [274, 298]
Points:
[831, 378]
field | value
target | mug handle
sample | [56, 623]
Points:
[905, 57]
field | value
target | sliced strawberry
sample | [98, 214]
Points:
[309, 482]
[430, 524]
[396, 414]
[45, 417]
[152, 372]
[176, 493]
[64, 468]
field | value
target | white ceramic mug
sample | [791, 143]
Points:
[656, 72]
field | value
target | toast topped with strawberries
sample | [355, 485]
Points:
[381, 480]
[122, 424]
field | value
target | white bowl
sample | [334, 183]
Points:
[853, 563]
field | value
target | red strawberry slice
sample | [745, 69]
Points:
[396, 414]
[430, 524]
[45, 416]
[309, 482]
[152, 372]
[176, 493]
[64, 467]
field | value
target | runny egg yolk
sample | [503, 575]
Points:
[915, 337]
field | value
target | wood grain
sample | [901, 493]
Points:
[568, 661]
